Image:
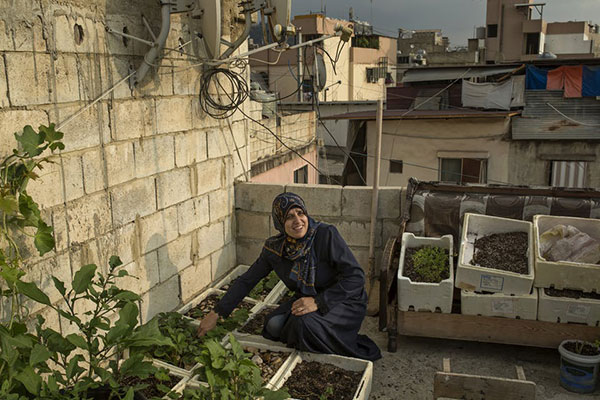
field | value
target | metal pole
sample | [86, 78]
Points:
[300, 69]
[316, 77]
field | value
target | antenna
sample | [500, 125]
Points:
[209, 14]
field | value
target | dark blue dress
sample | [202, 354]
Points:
[341, 299]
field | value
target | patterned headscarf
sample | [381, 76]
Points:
[299, 251]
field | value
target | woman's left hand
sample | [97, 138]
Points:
[304, 305]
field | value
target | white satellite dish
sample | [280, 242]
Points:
[322, 72]
[280, 17]
[209, 13]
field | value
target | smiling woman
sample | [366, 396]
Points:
[313, 260]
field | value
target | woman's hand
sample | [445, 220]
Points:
[208, 323]
[304, 305]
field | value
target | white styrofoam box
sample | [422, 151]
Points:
[423, 296]
[565, 310]
[565, 274]
[479, 279]
[519, 306]
[248, 336]
[194, 302]
[277, 293]
[237, 271]
[348, 363]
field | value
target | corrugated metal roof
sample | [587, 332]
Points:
[422, 114]
[427, 74]
[540, 121]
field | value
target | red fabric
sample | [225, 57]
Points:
[573, 80]
[556, 79]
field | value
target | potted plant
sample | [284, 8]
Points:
[579, 364]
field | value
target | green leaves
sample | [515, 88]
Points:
[30, 141]
[30, 379]
[8, 204]
[44, 241]
[83, 278]
[31, 290]
[39, 354]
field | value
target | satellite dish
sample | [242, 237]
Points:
[209, 13]
[280, 18]
[322, 72]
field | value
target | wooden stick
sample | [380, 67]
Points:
[446, 365]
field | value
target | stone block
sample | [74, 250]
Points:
[154, 155]
[192, 214]
[223, 261]
[3, 85]
[143, 274]
[162, 298]
[115, 44]
[59, 267]
[47, 190]
[356, 201]
[12, 121]
[248, 250]
[221, 204]
[185, 79]
[210, 239]
[323, 200]
[132, 119]
[390, 202]
[220, 143]
[88, 217]
[158, 229]
[64, 39]
[6, 42]
[89, 129]
[52, 322]
[211, 174]
[253, 226]
[121, 242]
[390, 229]
[362, 256]
[195, 278]
[356, 233]
[28, 35]
[201, 120]
[174, 257]
[190, 148]
[173, 187]
[117, 69]
[159, 81]
[65, 85]
[73, 173]
[174, 114]
[229, 228]
[28, 78]
[92, 73]
[93, 171]
[132, 199]
[257, 197]
[120, 163]
[59, 226]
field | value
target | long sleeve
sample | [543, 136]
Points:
[351, 277]
[243, 285]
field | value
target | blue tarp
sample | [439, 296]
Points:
[536, 78]
[591, 81]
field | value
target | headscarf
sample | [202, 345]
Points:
[299, 251]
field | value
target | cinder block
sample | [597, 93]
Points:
[154, 155]
[210, 239]
[129, 200]
[65, 85]
[28, 35]
[185, 79]
[192, 214]
[253, 226]
[195, 278]
[190, 148]
[114, 43]
[220, 143]
[120, 163]
[132, 119]
[64, 40]
[47, 190]
[174, 114]
[162, 298]
[240, 169]
[88, 130]
[174, 257]
[256, 197]
[157, 84]
[117, 69]
[28, 78]
[3, 86]
[223, 261]
[248, 250]
[73, 173]
[122, 242]
[91, 69]
[210, 175]
[59, 225]
[229, 228]
[356, 201]
[6, 42]
[143, 274]
[362, 256]
[221, 204]
[356, 233]
[51, 318]
[12, 121]
[88, 217]
[173, 187]
[325, 200]
[93, 171]
[200, 120]
[390, 202]
[158, 229]
[58, 266]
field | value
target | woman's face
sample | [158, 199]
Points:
[296, 223]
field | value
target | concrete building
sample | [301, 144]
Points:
[516, 31]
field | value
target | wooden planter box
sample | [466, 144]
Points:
[565, 310]
[521, 306]
[565, 274]
[479, 279]
[423, 296]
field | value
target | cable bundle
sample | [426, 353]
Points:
[218, 106]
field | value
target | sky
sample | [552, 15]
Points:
[456, 18]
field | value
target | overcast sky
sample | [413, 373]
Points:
[456, 18]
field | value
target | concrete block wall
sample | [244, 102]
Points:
[145, 175]
[348, 208]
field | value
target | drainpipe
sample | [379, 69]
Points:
[152, 55]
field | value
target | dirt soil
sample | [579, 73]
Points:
[209, 303]
[268, 361]
[311, 380]
[151, 391]
[504, 251]
[573, 294]
[586, 350]
[409, 267]
[255, 325]
[287, 296]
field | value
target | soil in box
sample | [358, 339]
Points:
[255, 325]
[287, 296]
[583, 349]
[311, 380]
[262, 288]
[573, 294]
[504, 251]
[268, 361]
[156, 386]
[426, 264]
[209, 303]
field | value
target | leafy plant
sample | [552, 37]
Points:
[264, 285]
[328, 394]
[431, 263]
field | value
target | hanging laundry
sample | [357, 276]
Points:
[575, 80]
[487, 95]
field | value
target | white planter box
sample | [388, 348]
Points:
[276, 294]
[565, 310]
[363, 389]
[251, 337]
[423, 296]
[565, 274]
[518, 306]
[194, 302]
[479, 279]
[237, 271]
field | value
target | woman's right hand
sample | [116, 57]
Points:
[208, 323]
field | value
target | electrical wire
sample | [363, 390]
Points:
[217, 108]
[571, 119]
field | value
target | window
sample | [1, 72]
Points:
[532, 43]
[570, 174]
[301, 175]
[372, 75]
[463, 170]
[492, 31]
[396, 166]
[403, 59]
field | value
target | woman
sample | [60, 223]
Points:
[313, 260]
